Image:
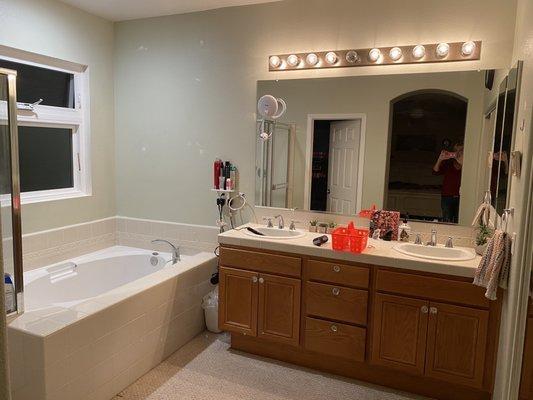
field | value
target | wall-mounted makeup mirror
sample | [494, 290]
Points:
[416, 143]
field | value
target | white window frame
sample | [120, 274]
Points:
[77, 119]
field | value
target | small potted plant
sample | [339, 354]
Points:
[483, 235]
[331, 227]
[322, 227]
[313, 225]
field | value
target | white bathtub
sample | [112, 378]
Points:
[94, 324]
[72, 282]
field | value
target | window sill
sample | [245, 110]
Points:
[46, 195]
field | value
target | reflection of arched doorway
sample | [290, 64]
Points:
[423, 123]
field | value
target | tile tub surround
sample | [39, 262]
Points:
[97, 348]
[382, 254]
[462, 235]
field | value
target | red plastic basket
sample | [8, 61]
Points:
[349, 239]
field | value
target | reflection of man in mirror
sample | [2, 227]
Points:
[449, 164]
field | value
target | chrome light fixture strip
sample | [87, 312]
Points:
[455, 53]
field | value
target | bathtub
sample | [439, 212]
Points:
[96, 323]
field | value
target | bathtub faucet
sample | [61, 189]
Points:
[175, 250]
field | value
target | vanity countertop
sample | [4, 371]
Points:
[378, 253]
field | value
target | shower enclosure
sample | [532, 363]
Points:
[11, 229]
[274, 166]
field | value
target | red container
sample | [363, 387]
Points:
[349, 239]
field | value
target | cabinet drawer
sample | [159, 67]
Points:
[337, 303]
[261, 262]
[431, 288]
[335, 339]
[340, 274]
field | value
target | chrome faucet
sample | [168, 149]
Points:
[449, 242]
[281, 222]
[433, 240]
[175, 250]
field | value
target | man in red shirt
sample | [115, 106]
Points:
[449, 164]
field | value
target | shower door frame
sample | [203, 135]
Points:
[16, 222]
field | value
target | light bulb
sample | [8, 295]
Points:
[374, 55]
[275, 61]
[395, 53]
[312, 59]
[419, 52]
[443, 49]
[331, 58]
[468, 48]
[352, 56]
[293, 60]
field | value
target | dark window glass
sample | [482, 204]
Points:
[45, 158]
[56, 88]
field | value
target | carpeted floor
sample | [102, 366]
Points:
[206, 369]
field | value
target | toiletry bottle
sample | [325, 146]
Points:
[404, 231]
[233, 176]
[229, 184]
[9, 290]
[221, 179]
[217, 166]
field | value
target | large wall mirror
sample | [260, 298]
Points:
[428, 145]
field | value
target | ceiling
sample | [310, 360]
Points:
[120, 10]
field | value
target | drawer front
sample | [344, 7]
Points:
[261, 262]
[337, 303]
[431, 288]
[340, 274]
[335, 339]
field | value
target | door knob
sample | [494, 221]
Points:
[261, 280]
[335, 291]
[433, 310]
[334, 328]
[336, 268]
[254, 279]
[424, 309]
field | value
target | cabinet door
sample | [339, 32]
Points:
[457, 341]
[279, 309]
[399, 333]
[526, 385]
[237, 310]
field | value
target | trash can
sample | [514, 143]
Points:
[210, 306]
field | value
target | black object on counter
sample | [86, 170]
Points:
[254, 231]
[319, 241]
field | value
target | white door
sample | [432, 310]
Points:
[343, 168]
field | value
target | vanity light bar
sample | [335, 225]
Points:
[421, 53]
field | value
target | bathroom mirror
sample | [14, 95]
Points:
[416, 143]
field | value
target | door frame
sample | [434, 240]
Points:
[311, 118]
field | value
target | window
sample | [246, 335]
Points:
[53, 128]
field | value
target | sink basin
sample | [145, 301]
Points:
[275, 233]
[435, 252]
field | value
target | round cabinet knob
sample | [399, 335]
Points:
[334, 328]
[261, 280]
[336, 268]
[254, 279]
[424, 309]
[335, 291]
[433, 310]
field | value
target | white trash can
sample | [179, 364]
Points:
[210, 306]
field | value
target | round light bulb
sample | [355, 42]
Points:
[352, 56]
[331, 57]
[443, 49]
[293, 60]
[419, 52]
[395, 53]
[374, 55]
[468, 48]
[275, 61]
[312, 59]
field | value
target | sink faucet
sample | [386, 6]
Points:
[433, 240]
[281, 222]
[175, 250]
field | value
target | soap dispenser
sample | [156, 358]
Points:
[404, 231]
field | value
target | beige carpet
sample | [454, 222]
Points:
[205, 369]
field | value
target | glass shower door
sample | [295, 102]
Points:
[10, 195]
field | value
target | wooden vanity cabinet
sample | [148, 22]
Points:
[419, 332]
[257, 304]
